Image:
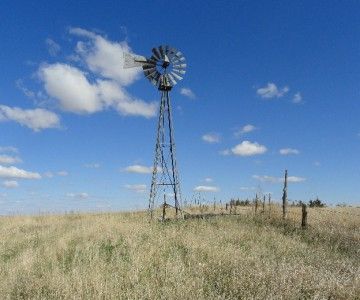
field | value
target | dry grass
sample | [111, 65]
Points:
[122, 256]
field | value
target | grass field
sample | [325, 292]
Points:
[123, 256]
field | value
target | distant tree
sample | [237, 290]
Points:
[316, 203]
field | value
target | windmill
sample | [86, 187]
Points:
[164, 68]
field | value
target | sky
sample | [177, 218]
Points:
[269, 86]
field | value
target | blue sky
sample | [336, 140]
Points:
[269, 86]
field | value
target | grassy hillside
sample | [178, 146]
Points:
[123, 256]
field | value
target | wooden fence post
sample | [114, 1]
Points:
[256, 203]
[284, 197]
[263, 205]
[303, 216]
[269, 204]
[164, 209]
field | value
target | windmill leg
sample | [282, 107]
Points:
[158, 154]
[175, 175]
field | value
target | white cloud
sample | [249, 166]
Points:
[271, 179]
[225, 152]
[52, 47]
[92, 166]
[13, 172]
[211, 138]
[7, 159]
[140, 169]
[296, 179]
[247, 188]
[62, 173]
[104, 57]
[245, 129]
[48, 174]
[139, 188]
[35, 119]
[8, 149]
[247, 148]
[10, 184]
[206, 188]
[208, 179]
[297, 98]
[82, 195]
[188, 93]
[75, 93]
[271, 91]
[288, 151]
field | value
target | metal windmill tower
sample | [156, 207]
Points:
[164, 68]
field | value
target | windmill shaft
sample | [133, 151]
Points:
[165, 173]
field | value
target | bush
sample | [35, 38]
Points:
[316, 203]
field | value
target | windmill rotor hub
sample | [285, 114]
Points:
[165, 67]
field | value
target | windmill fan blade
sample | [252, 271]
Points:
[148, 66]
[179, 71]
[178, 77]
[179, 54]
[149, 71]
[182, 66]
[167, 50]
[156, 80]
[172, 79]
[150, 74]
[156, 53]
[162, 51]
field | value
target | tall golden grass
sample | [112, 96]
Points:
[123, 256]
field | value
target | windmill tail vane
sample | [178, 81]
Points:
[165, 67]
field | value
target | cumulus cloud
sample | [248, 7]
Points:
[82, 195]
[297, 98]
[102, 85]
[48, 175]
[187, 93]
[52, 47]
[272, 179]
[104, 57]
[10, 184]
[9, 160]
[245, 129]
[35, 119]
[139, 169]
[272, 91]
[247, 188]
[211, 138]
[208, 179]
[76, 94]
[13, 172]
[8, 149]
[206, 188]
[288, 151]
[92, 165]
[225, 152]
[62, 173]
[139, 188]
[247, 148]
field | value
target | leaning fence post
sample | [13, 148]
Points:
[303, 216]
[263, 205]
[256, 203]
[284, 197]
[164, 209]
[269, 204]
